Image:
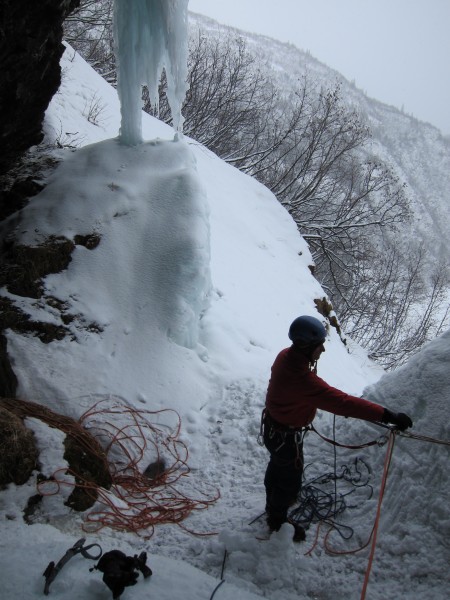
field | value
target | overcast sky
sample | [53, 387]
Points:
[397, 51]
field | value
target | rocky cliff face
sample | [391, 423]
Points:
[30, 50]
[31, 34]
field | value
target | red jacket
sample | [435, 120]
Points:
[295, 393]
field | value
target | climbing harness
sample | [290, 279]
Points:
[52, 570]
[273, 428]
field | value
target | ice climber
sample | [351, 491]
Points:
[294, 394]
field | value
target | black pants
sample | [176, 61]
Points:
[283, 479]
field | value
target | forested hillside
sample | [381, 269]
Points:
[366, 184]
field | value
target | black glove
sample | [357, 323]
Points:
[401, 420]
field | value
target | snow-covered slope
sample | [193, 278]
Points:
[173, 218]
[174, 222]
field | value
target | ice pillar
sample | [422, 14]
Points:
[149, 35]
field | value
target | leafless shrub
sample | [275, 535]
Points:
[94, 110]
[312, 151]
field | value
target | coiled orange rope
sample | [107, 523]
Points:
[136, 502]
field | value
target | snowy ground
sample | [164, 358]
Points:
[196, 279]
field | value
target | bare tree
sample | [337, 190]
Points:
[312, 151]
[89, 29]
[228, 99]
[395, 310]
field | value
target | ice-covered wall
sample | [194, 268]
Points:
[149, 35]
[414, 516]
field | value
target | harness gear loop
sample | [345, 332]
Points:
[271, 434]
[298, 440]
[275, 428]
[260, 438]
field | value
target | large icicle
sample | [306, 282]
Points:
[149, 35]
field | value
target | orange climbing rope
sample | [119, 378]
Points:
[373, 535]
[387, 464]
[136, 501]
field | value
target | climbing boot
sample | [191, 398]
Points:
[299, 533]
[274, 523]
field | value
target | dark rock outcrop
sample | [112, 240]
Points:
[8, 379]
[18, 452]
[31, 46]
[30, 50]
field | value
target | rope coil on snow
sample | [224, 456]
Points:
[316, 504]
[321, 516]
[135, 501]
[373, 535]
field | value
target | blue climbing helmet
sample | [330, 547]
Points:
[307, 332]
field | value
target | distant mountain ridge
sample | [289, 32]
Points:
[417, 151]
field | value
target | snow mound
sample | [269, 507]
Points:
[421, 388]
[415, 509]
[26, 559]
